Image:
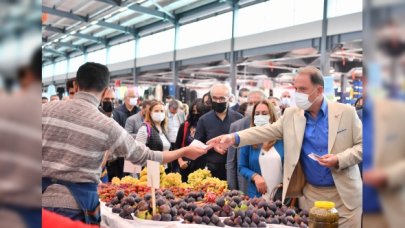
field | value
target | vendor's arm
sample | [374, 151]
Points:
[122, 144]
[142, 135]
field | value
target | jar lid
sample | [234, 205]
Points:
[324, 204]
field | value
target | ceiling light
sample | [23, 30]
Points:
[72, 32]
[108, 16]
[57, 40]
[94, 22]
[63, 37]
[83, 28]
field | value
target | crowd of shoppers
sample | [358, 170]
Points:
[271, 141]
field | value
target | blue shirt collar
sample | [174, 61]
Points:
[323, 110]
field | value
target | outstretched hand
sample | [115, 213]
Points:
[193, 152]
[221, 143]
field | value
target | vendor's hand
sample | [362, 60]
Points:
[375, 178]
[329, 160]
[260, 184]
[193, 152]
[222, 143]
[182, 164]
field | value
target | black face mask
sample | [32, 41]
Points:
[107, 106]
[219, 107]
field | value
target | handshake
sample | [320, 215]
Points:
[220, 144]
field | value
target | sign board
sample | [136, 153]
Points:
[153, 174]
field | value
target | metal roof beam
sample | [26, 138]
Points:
[143, 9]
[69, 45]
[90, 37]
[152, 12]
[111, 2]
[77, 17]
[80, 35]
[118, 27]
[59, 53]
[64, 14]
[55, 29]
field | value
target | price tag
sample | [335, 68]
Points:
[153, 173]
[153, 180]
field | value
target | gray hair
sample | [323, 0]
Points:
[257, 91]
[224, 86]
[126, 91]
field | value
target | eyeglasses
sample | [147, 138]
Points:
[219, 99]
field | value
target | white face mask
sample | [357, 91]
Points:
[249, 110]
[133, 101]
[158, 116]
[301, 100]
[261, 120]
[286, 101]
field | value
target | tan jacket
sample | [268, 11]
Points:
[389, 144]
[344, 140]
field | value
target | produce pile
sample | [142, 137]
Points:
[203, 203]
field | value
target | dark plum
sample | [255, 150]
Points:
[220, 201]
[206, 219]
[197, 219]
[147, 196]
[247, 220]
[199, 211]
[191, 206]
[188, 217]
[173, 211]
[233, 204]
[220, 224]
[120, 194]
[166, 217]
[214, 219]
[160, 202]
[255, 218]
[238, 221]
[249, 213]
[156, 217]
[261, 212]
[236, 199]
[208, 211]
[117, 209]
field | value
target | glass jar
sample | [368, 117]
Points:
[323, 215]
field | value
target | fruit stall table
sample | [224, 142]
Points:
[112, 220]
[202, 202]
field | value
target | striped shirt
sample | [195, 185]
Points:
[75, 135]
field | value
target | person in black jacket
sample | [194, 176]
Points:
[129, 108]
[185, 136]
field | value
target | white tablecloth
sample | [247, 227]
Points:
[113, 220]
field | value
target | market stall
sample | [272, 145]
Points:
[202, 201]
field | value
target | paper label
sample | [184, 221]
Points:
[153, 173]
[198, 143]
[314, 157]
